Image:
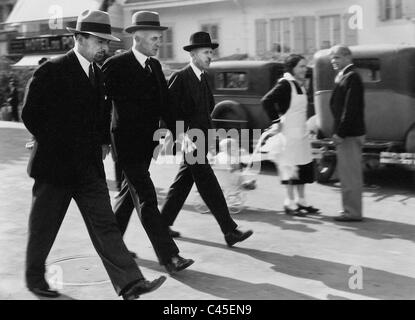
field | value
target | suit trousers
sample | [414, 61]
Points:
[49, 206]
[349, 164]
[209, 189]
[143, 196]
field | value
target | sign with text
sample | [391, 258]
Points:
[58, 43]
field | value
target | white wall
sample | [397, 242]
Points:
[237, 21]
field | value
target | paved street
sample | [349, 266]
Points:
[286, 258]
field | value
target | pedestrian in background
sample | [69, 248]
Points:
[138, 90]
[288, 102]
[65, 110]
[193, 102]
[347, 106]
[13, 100]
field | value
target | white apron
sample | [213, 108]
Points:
[294, 128]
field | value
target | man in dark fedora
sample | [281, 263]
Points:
[66, 112]
[138, 90]
[193, 102]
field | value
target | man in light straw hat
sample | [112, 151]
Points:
[138, 90]
[193, 100]
[66, 112]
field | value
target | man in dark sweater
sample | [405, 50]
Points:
[347, 106]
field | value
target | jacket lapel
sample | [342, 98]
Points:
[193, 83]
[79, 75]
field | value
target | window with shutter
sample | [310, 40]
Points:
[166, 47]
[261, 36]
[408, 9]
[394, 9]
[213, 30]
[330, 31]
[280, 35]
[351, 34]
[305, 35]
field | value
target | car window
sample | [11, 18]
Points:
[231, 80]
[369, 69]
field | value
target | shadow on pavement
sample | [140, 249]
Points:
[229, 288]
[61, 297]
[370, 228]
[377, 284]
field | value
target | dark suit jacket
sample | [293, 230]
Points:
[347, 105]
[69, 119]
[186, 96]
[134, 122]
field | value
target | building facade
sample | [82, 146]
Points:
[40, 31]
[269, 28]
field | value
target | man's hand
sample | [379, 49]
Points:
[337, 140]
[188, 145]
[105, 150]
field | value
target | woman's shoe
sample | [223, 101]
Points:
[294, 212]
[309, 209]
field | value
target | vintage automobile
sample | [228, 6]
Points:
[388, 73]
[238, 87]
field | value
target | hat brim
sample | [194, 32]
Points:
[105, 36]
[201, 45]
[134, 28]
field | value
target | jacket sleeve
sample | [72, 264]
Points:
[277, 101]
[168, 110]
[177, 98]
[352, 105]
[35, 104]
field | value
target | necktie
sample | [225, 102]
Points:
[147, 66]
[91, 75]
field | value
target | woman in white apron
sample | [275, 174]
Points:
[287, 101]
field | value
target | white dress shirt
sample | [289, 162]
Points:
[196, 70]
[141, 58]
[84, 62]
[340, 74]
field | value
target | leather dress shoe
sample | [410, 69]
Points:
[347, 218]
[45, 292]
[237, 236]
[309, 209]
[174, 234]
[177, 263]
[294, 212]
[141, 287]
[133, 254]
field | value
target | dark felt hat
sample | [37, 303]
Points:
[200, 40]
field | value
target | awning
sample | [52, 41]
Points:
[29, 10]
[32, 60]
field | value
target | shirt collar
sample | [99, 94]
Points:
[196, 70]
[141, 58]
[84, 62]
[344, 69]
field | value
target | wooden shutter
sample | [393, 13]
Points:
[382, 10]
[408, 8]
[299, 35]
[261, 36]
[351, 35]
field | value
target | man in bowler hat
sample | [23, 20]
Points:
[138, 90]
[347, 106]
[193, 102]
[66, 111]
